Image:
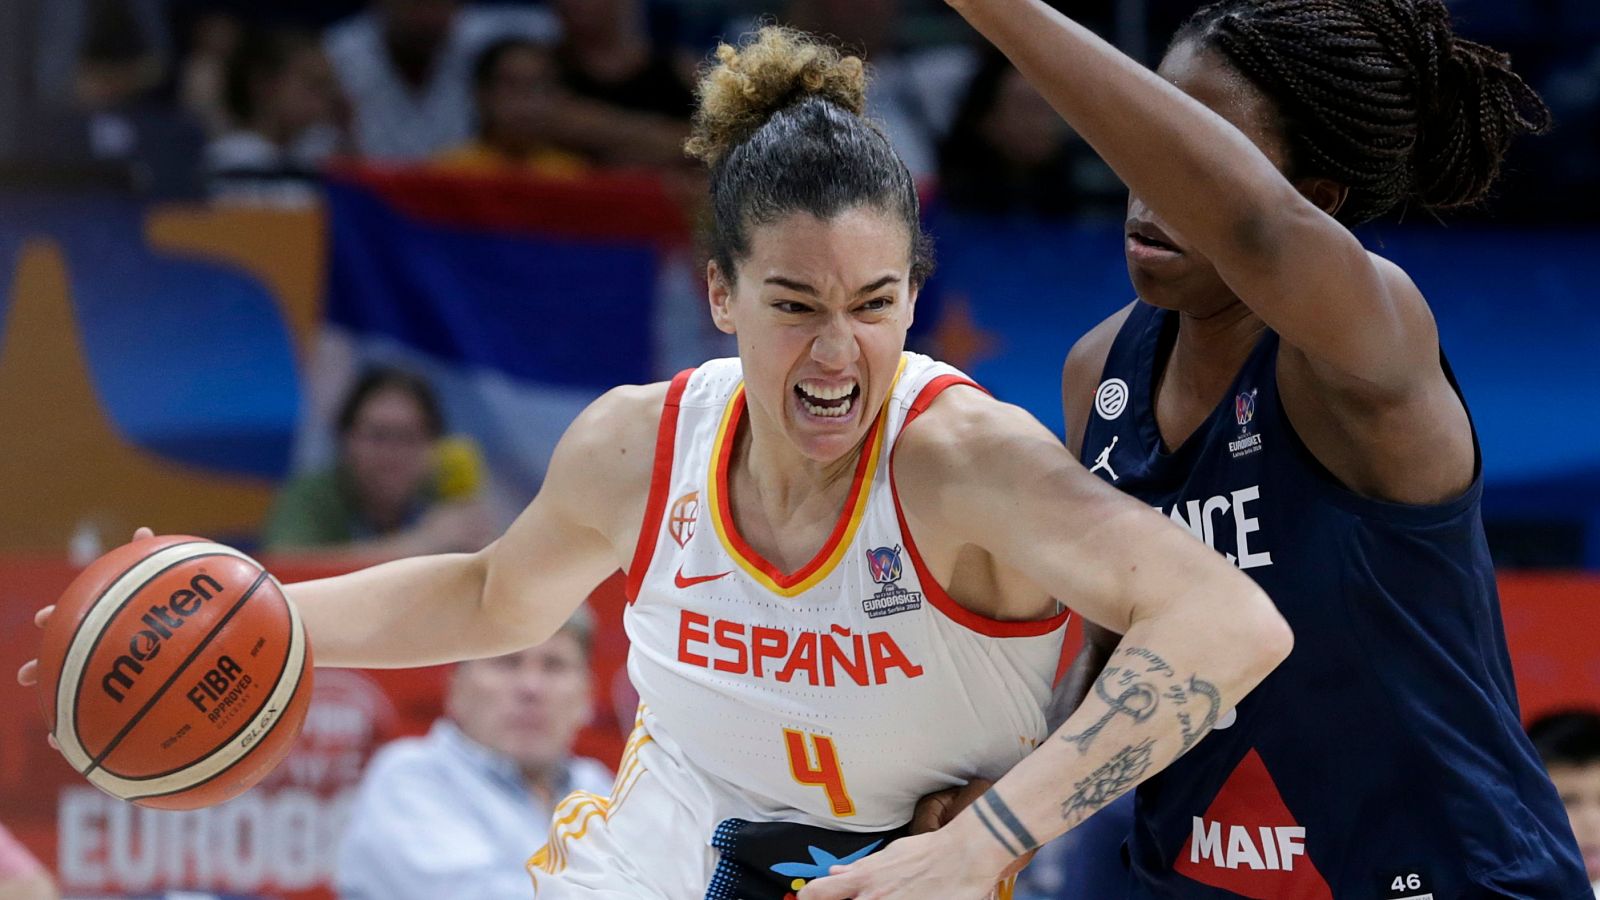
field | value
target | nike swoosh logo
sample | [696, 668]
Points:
[683, 581]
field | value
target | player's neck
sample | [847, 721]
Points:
[1211, 348]
[784, 479]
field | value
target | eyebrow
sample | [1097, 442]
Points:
[803, 288]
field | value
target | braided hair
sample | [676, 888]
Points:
[1378, 95]
[780, 124]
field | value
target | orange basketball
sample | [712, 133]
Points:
[174, 673]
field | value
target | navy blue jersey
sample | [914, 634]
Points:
[1385, 758]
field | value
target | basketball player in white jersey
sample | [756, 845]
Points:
[833, 611]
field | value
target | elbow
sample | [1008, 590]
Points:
[1269, 638]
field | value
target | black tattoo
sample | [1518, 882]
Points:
[993, 811]
[1202, 688]
[989, 823]
[1157, 664]
[1108, 782]
[1137, 699]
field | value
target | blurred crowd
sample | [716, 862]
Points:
[250, 101]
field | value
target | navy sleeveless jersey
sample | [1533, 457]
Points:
[1385, 758]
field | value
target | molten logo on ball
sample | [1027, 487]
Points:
[145, 645]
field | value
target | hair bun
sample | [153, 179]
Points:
[1472, 106]
[773, 69]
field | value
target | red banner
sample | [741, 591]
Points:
[280, 838]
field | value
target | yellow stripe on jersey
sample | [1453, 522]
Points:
[572, 817]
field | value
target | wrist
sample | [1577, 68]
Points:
[967, 837]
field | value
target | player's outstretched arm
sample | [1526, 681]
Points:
[1198, 636]
[520, 589]
[1294, 265]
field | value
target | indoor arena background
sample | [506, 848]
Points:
[178, 324]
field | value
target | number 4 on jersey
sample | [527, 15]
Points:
[824, 772]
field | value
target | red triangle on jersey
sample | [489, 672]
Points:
[1248, 842]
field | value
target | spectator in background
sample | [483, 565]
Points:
[21, 876]
[394, 492]
[406, 66]
[117, 125]
[628, 100]
[1569, 744]
[214, 37]
[1008, 153]
[284, 103]
[514, 86]
[457, 813]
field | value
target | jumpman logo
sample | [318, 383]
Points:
[1103, 461]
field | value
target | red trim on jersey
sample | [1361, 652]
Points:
[930, 586]
[660, 480]
[724, 510]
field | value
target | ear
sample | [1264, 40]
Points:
[1325, 193]
[911, 304]
[719, 289]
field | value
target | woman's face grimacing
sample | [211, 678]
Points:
[820, 309]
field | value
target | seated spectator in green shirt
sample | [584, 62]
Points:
[399, 488]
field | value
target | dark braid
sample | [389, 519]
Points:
[1379, 95]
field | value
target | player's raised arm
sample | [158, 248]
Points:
[517, 591]
[1272, 241]
[1198, 636]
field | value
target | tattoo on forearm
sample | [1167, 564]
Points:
[1201, 688]
[1157, 664]
[1108, 782]
[1134, 698]
[1003, 824]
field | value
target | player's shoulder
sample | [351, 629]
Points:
[958, 429]
[610, 446]
[1080, 374]
[1087, 358]
[625, 418]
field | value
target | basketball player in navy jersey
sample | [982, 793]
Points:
[1280, 392]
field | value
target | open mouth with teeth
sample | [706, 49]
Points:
[828, 401]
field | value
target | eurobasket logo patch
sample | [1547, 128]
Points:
[1244, 412]
[1244, 407]
[884, 565]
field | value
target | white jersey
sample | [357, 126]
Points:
[836, 695]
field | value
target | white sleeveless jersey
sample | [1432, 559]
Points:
[836, 695]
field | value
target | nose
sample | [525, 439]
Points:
[835, 346]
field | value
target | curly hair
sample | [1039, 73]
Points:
[1379, 95]
[780, 122]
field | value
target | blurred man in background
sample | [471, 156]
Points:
[458, 812]
[406, 66]
[285, 115]
[627, 98]
[1569, 744]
